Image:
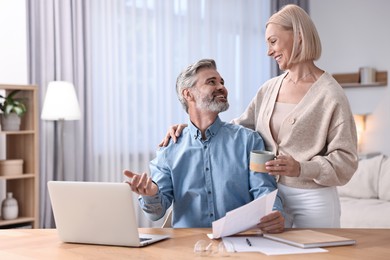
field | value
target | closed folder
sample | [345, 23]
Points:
[309, 239]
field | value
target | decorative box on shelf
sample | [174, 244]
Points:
[11, 167]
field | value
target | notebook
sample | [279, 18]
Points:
[309, 238]
[97, 213]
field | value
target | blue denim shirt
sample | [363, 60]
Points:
[204, 179]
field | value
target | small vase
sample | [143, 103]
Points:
[10, 122]
[9, 207]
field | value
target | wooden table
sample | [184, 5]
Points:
[42, 244]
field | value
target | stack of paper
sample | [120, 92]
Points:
[288, 242]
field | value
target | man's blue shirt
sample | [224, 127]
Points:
[204, 179]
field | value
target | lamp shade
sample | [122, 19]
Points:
[60, 102]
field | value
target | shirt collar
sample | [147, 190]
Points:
[210, 131]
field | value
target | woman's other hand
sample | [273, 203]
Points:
[284, 165]
[173, 132]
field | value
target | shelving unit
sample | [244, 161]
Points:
[23, 144]
[348, 80]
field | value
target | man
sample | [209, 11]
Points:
[206, 173]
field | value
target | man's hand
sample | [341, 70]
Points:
[272, 223]
[141, 184]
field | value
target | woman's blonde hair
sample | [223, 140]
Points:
[307, 43]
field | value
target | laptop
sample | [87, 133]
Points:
[97, 213]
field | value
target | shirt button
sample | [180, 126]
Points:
[209, 192]
[205, 147]
[291, 121]
[207, 169]
[211, 214]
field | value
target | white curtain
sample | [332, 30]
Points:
[56, 47]
[139, 48]
[125, 56]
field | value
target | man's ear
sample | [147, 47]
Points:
[187, 94]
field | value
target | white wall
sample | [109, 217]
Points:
[355, 33]
[13, 43]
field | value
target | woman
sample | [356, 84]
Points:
[304, 117]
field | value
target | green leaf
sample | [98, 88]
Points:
[11, 105]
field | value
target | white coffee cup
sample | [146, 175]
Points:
[367, 75]
[258, 158]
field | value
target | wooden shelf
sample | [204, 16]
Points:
[23, 145]
[351, 80]
[21, 132]
[20, 220]
[19, 176]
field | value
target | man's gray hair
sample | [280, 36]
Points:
[187, 78]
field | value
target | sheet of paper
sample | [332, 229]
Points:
[265, 246]
[244, 217]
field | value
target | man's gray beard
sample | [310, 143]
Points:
[213, 106]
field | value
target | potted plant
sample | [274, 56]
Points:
[12, 109]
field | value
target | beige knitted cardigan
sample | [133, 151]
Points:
[319, 132]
